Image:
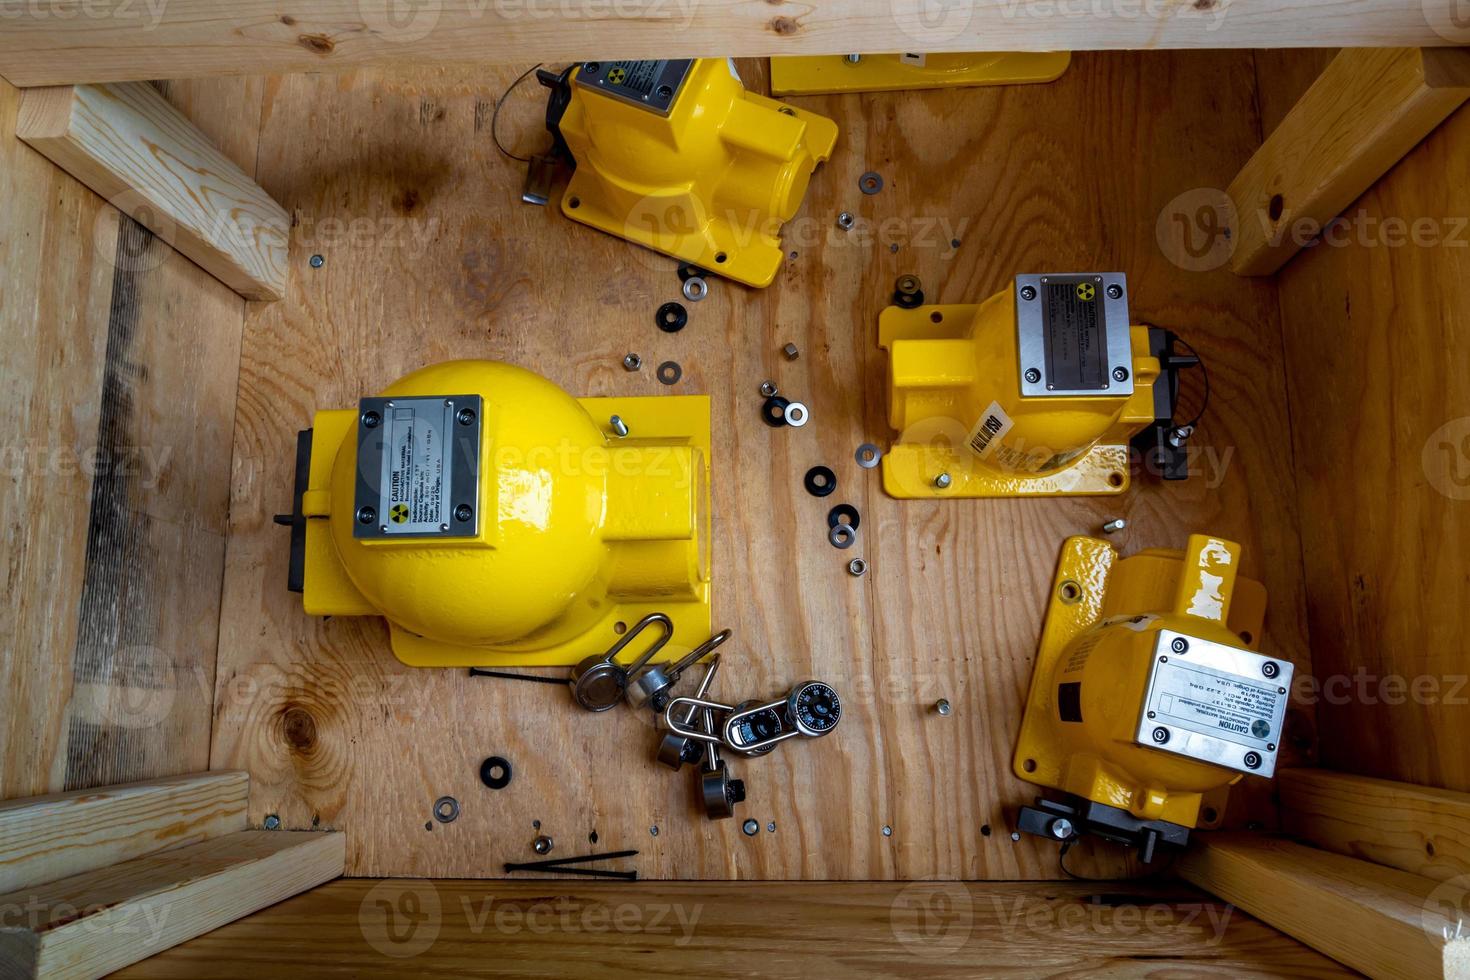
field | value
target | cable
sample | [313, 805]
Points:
[1204, 373]
[495, 116]
[1153, 872]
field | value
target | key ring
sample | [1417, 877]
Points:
[599, 682]
[651, 686]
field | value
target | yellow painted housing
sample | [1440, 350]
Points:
[948, 365]
[580, 530]
[830, 74]
[710, 183]
[1101, 625]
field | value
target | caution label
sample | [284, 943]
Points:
[1211, 702]
[416, 466]
[1076, 336]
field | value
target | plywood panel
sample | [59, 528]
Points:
[1376, 326]
[428, 255]
[926, 929]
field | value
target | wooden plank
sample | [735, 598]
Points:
[1380, 921]
[395, 180]
[215, 37]
[1418, 829]
[128, 144]
[91, 924]
[49, 837]
[364, 927]
[1376, 324]
[1365, 111]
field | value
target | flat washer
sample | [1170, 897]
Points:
[796, 414]
[773, 411]
[671, 317]
[446, 809]
[819, 481]
[695, 289]
[842, 536]
[868, 455]
[870, 182]
[669, 372]
[844, 514]
[495, 772]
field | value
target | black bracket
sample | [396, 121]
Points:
[1163, 447]
[1064, 822]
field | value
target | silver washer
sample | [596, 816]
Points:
[695, 289]
[867, 455]
[796, 414]
[446, 809]
[842, 536]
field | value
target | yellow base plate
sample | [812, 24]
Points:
[909, 472]
[825, 74]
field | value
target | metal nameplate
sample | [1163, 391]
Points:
[1073, 334]
[652, 85]
[418, 467]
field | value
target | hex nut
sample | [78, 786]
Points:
[632, 362]
[769, 389]
[857, 566]
[846, 221]
[791, 352]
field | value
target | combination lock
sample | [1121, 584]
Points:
[810, 710]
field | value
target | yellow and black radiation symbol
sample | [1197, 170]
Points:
[1086, 291]
[399, 513]
[616, 75]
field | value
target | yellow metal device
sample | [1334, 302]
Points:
[1035, 392]
[493, 519]
[1147, 695]
[677, 156]
[824, 74]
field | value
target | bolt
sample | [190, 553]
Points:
[316, 261]
[618, 426]
[1033, 376]
[1179, 435]
[1061, 828]
[366, 515]
[465, 416]
[1180, 645]
[887, 831]
[1015, 835]
[1270, 668]
[853, 59]
[1115, 291]
[463, 513]
[272, 822]
[751, 828]
[371, 420]
[769, 389]
[791, 352]
[1028, 293]
[942, 481]
[942, 706]
[1252, 760]
[632, 362]
[1161, 734]
[1114, 526]
[542, 845]
[845, 221]
[1120, 374]
[1153, 714]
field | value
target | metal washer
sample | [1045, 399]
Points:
[695, 289]
[868, 455]
[446, 809]
[795, 414]
[669, 372]
[870, 182]
[842, 536]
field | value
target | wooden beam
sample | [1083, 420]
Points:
[49, 837]
[1418, 829]
[1379, 921]
[216, 37]
[91, 924]
[133, 148]
[1366, 110]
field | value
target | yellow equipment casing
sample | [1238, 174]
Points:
[565, 533]
[1146, 694]
[837, 73]
[968, 404]
[707, 174]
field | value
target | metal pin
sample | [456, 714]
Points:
[942, 481]
[619, 426]
[1114, 526]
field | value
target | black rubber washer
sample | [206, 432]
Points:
[488, 770]
[844, 514]
[773, 411]
[909, 301]
[671, 317]
[820, 481]
[689, 271]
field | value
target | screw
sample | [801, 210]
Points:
[653, 831]
[1161, 734]
[465, 416]
[542, 845]
[1120, 374]
[942, 706]
[1270, 668]
[845, 221]
[942, 481]
[618, 426]
[1153, 714]
[769, 389]
[272, 822]
[887, 831]
[1114, 526]
[1032, 376]
[1115, 291]
[366, 515]
[1028, 293]
[1252, 760]
[1180, 644]
[316, 261]
[857, 566]
[751, 828]
[1015, 835]
[632, 362]
[853, 59]
[370, 420]
[791, 352]
[1061, 828]
[463, 513]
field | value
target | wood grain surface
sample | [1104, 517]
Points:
[367, 928]
[429, 255]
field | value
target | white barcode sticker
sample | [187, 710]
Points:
[986, 435]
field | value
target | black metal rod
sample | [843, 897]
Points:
[557, 862]
[585, 872]
[534, 678]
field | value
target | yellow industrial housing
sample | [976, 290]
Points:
[1035, 392]
[824, 74]
[677, 156]
[493, 519]
[1147, 696]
